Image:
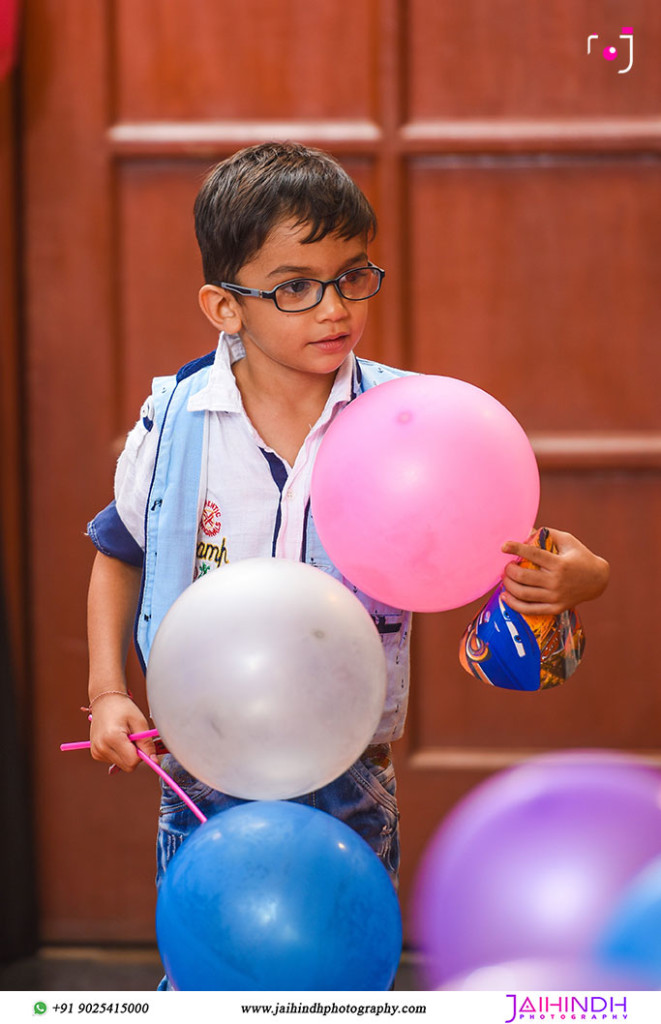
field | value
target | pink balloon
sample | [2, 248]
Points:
[417, 485]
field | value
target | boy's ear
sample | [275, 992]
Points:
[220, 308]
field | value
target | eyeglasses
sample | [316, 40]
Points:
[305, 293]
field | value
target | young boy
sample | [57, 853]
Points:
[218, 467]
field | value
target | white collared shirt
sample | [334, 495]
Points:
[262, 510]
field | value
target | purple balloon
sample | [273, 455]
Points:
[546, 976]
[531, 863]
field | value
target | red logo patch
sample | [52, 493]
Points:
[210, 521]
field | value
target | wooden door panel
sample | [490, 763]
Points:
[162, 325]
[477, 60]
[188, 61]
[547, 270]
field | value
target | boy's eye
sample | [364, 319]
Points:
[356, 277]
[299, 288]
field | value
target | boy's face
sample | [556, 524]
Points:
[317, 340]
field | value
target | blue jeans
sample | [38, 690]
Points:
[364, 798]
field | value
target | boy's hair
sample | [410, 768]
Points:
[245, 196]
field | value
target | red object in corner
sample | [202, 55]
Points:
[8, 35]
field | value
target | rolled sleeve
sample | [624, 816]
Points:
[109, 535]
[119, 529]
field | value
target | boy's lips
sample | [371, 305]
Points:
[333, 341]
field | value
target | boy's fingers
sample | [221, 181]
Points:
[538, 556]
[517, 573]
[513, 547]
[119, 751]
[527, 595]
[127, 760]
[514, 571]
[127, 756]
[534, 608]
[147, 747]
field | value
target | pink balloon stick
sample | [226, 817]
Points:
[173, 785]
[147, 735]
[85, 744]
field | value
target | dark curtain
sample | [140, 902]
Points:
[18, 913]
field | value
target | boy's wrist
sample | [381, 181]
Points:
[103, 678]
[96, 695]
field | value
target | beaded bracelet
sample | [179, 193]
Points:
[107, 693]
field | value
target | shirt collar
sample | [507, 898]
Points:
[221, 394]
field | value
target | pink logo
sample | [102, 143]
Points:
[610, 52]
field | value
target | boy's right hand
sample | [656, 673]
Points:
[114, 719]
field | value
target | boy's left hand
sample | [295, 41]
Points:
[561, 579]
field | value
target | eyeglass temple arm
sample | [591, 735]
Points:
[241, 289]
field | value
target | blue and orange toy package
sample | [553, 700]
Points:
[505, 648]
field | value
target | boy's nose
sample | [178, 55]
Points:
[332, 304]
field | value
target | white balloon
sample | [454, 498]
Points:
[267, 679]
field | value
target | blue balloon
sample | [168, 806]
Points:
[277, 897]
[631, 938]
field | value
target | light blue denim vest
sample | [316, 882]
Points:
[172, 516]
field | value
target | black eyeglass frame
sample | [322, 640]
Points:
[258, 293]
